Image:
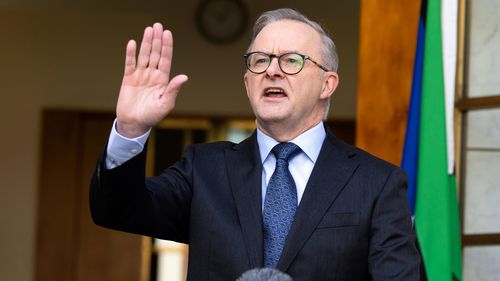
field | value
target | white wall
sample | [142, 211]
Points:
[72, 57]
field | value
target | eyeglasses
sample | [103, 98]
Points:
[289, 63]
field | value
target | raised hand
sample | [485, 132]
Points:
[147, 93]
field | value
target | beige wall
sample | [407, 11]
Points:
[72, 57]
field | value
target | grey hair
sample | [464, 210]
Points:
[330, 55]
[264, 274]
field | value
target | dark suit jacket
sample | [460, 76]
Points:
[353, 222]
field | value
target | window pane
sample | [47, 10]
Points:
[481, 263]
[484, 46]
[171, 260]
[482, 192]
[483, 129]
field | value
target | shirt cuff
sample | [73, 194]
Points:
[121, 149]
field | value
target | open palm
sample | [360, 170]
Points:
[147, 93]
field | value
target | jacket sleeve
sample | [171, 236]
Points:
[123, 199]
[393, 253]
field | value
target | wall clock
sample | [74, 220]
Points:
[221, 21]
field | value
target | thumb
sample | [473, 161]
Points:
[175, 84]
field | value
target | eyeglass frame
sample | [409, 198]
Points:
[271, 56]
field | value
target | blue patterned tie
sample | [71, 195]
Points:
[280, 204]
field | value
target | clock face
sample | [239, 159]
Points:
[221, 21]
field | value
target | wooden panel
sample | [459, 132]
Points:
[478, 103]
[69, 245]
[387, 46]
[480, 239]
[103, 254]
[343, 129]
[56, 197]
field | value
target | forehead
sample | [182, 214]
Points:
[287, 35]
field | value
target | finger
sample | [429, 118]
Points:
[145, 50]
[130, 57]
[154, 58]
[175, 84]
[166, 53]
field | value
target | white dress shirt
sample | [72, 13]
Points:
[120, 149]
[301, 165]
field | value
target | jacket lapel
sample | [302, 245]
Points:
[333, 169]
[244, 169]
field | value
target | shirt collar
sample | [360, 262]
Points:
[310, 142]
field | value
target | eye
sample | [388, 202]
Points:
[292, 59]
[260, 60]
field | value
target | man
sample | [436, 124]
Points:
[291, 196]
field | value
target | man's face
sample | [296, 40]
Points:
[297, 100]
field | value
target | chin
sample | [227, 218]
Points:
[272, 118]
[273, 111]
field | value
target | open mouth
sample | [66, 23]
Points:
[274, 93]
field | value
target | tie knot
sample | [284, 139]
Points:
[285, 150]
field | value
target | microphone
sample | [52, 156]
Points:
[264, 274]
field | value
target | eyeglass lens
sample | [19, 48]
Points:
[289, 63]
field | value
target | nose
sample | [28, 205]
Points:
[274, 69]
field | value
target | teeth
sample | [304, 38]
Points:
[274, 91]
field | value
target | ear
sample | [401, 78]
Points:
[245, 78]
[330, 83]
